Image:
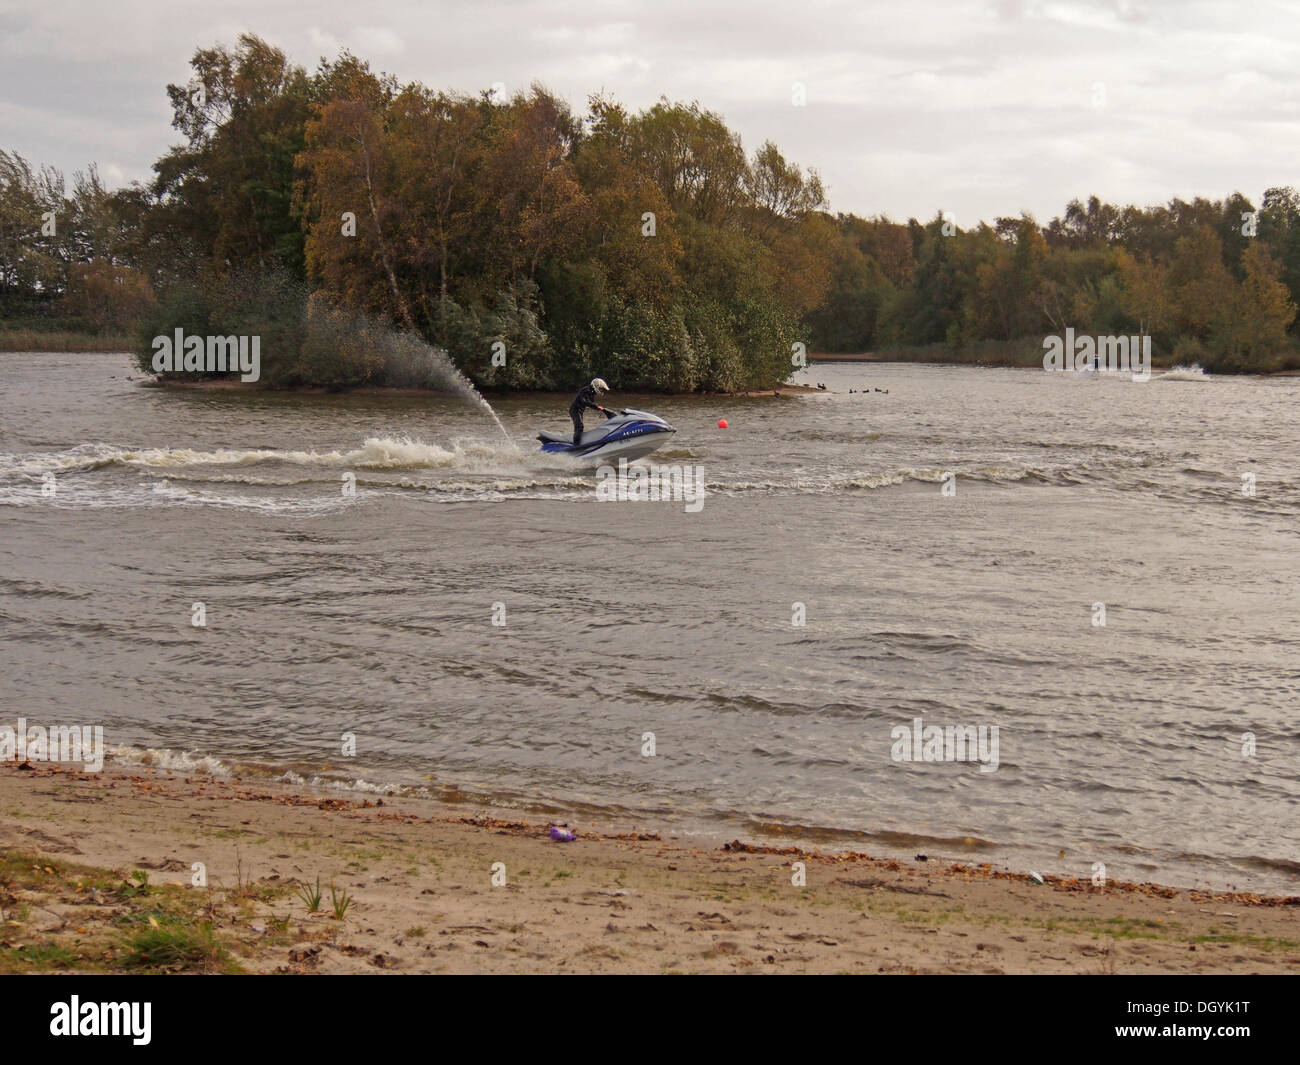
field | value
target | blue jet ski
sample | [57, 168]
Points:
[629, 434]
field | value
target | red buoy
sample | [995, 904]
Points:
[722, 423]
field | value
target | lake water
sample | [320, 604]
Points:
[373, 614]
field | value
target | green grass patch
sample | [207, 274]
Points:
[171, 944]
[60, 917]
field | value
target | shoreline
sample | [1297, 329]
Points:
[229, 385]
[1157, 365]
[148, 380]
[992, 362]
[764, 831]
[620, 898]
[226, 385]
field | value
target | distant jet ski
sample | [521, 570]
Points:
[629, 434]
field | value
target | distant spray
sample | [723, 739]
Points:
[403, 359]
[303, 338]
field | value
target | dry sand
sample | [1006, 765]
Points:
[421, 876]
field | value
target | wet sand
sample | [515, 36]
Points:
[618, 899]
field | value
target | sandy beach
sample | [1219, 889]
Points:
[87, 855]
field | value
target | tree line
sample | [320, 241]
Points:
[539, 246]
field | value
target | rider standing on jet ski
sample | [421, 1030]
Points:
[584, 399]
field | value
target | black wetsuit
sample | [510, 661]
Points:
[584, 399]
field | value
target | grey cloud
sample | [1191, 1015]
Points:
[981, 109]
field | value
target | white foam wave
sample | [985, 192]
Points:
[365, 787]
[167, 758]
[375, 453]
[192, 764]
[1183, 373]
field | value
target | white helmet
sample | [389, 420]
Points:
[598, 383]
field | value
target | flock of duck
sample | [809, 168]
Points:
[857, 391]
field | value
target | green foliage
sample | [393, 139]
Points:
[715, 347]
[185, 307]
[272, 305]
[574, 297]
[510, 332]
[641, 347]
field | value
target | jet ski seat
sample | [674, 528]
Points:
[555, 438]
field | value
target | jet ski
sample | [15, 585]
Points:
[629, 434]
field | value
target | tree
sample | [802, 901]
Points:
[350, 248]
[779, 192]
[694, 158]
[32, 262]
[1200, 284]
[1252, 326]
[633, 231]
[1145, 292]
[231, 186]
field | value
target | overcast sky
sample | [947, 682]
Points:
[981, 108]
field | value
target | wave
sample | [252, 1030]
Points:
[1184, 373]
[168, 758]
[197, 485]
[375, 453]
[191, 764]
[468, 470]
[363, 787]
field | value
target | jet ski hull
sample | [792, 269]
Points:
[629, 435]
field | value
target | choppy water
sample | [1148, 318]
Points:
[373, 614]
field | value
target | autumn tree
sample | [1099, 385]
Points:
[1199, 282]
[351, 247]
[231, 185]
[1251, 326]
[1145, 292]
